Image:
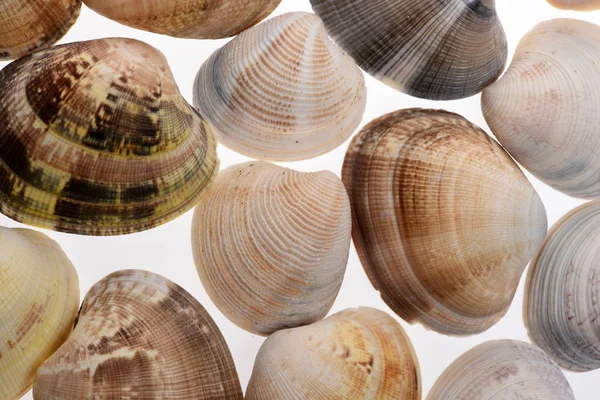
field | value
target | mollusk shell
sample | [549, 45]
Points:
[355, 354]
[96, 139]
[444, 221]
[271, 245]
[578, 5]
[544, 109]
[39, 298]
[139, 335]
[433, 49]
[281, 90]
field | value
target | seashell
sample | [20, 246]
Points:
[271, 245]
[353, 355]
[38, 304]
[29, 25]
[139, 335]
[444, 221]
[281, 91]
[429, 48]
[197, 19]
[577, 5]
[543, 110]
[502, 369]
[561, 294]
[97, 140]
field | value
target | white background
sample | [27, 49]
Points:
[166, 249]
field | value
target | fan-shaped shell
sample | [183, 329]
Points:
[186, 18]
[139, 335]
[39, 298]
[356, 354]
[502, 370]
[28, 25]
[544, 109]
[271, 245]
[444, 221]
[433, 49]
[281, 90]
[96, 139]
[577, 5]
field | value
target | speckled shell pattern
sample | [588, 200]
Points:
[97, 140]
[444, 221]
[38, 305]
[194, 19]
[29, 25]
[577, 5]
[561, 295]
[438, 50]
[282, 91]
[139, 335]
[356, 354]
[544, 110]
[271, 244]
[502, 370]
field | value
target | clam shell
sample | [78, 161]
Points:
[577, 5]
[544, 109]
[96, 139]
[444, 221]
[139, 335]
[39, 298]
[199, 19]
[502, 370]
[282, 90]
[271, 245]
[29, 25]
[355, 354]
[427, 48]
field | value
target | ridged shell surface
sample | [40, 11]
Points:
[544, 109]
[438, 50]
[502, 370]
[577, 5]
[271, 245]
[198, 19]
[282, 90]
[39, 298]
[444, 221]
[96, 139]
[140, 336]
[356, 354]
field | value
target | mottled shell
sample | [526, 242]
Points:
[39, 298]
[281, 91]
[356, 354]
[271, 245]
[502, 370]
[139, 335]
[29, 25]
[577, 5]
[444, 220]
[96, 139]
[438, 50]
[544, 110]
[198, 19]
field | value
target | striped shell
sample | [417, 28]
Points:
[356, 354]
[438, 50]
[281, 91]
[139, 335]
[39, 298]
[577, 5]
[271, 245]
[96, 139]
[444, 220]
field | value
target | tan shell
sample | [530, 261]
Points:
[139, 335]
[39, 298]
[281, 91]
[97, 140]
[577, 5]
[356, 354]
[271, 245]
[444, 221]
[199, 19]
[502, 370]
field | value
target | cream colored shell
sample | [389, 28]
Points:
[577, 5]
